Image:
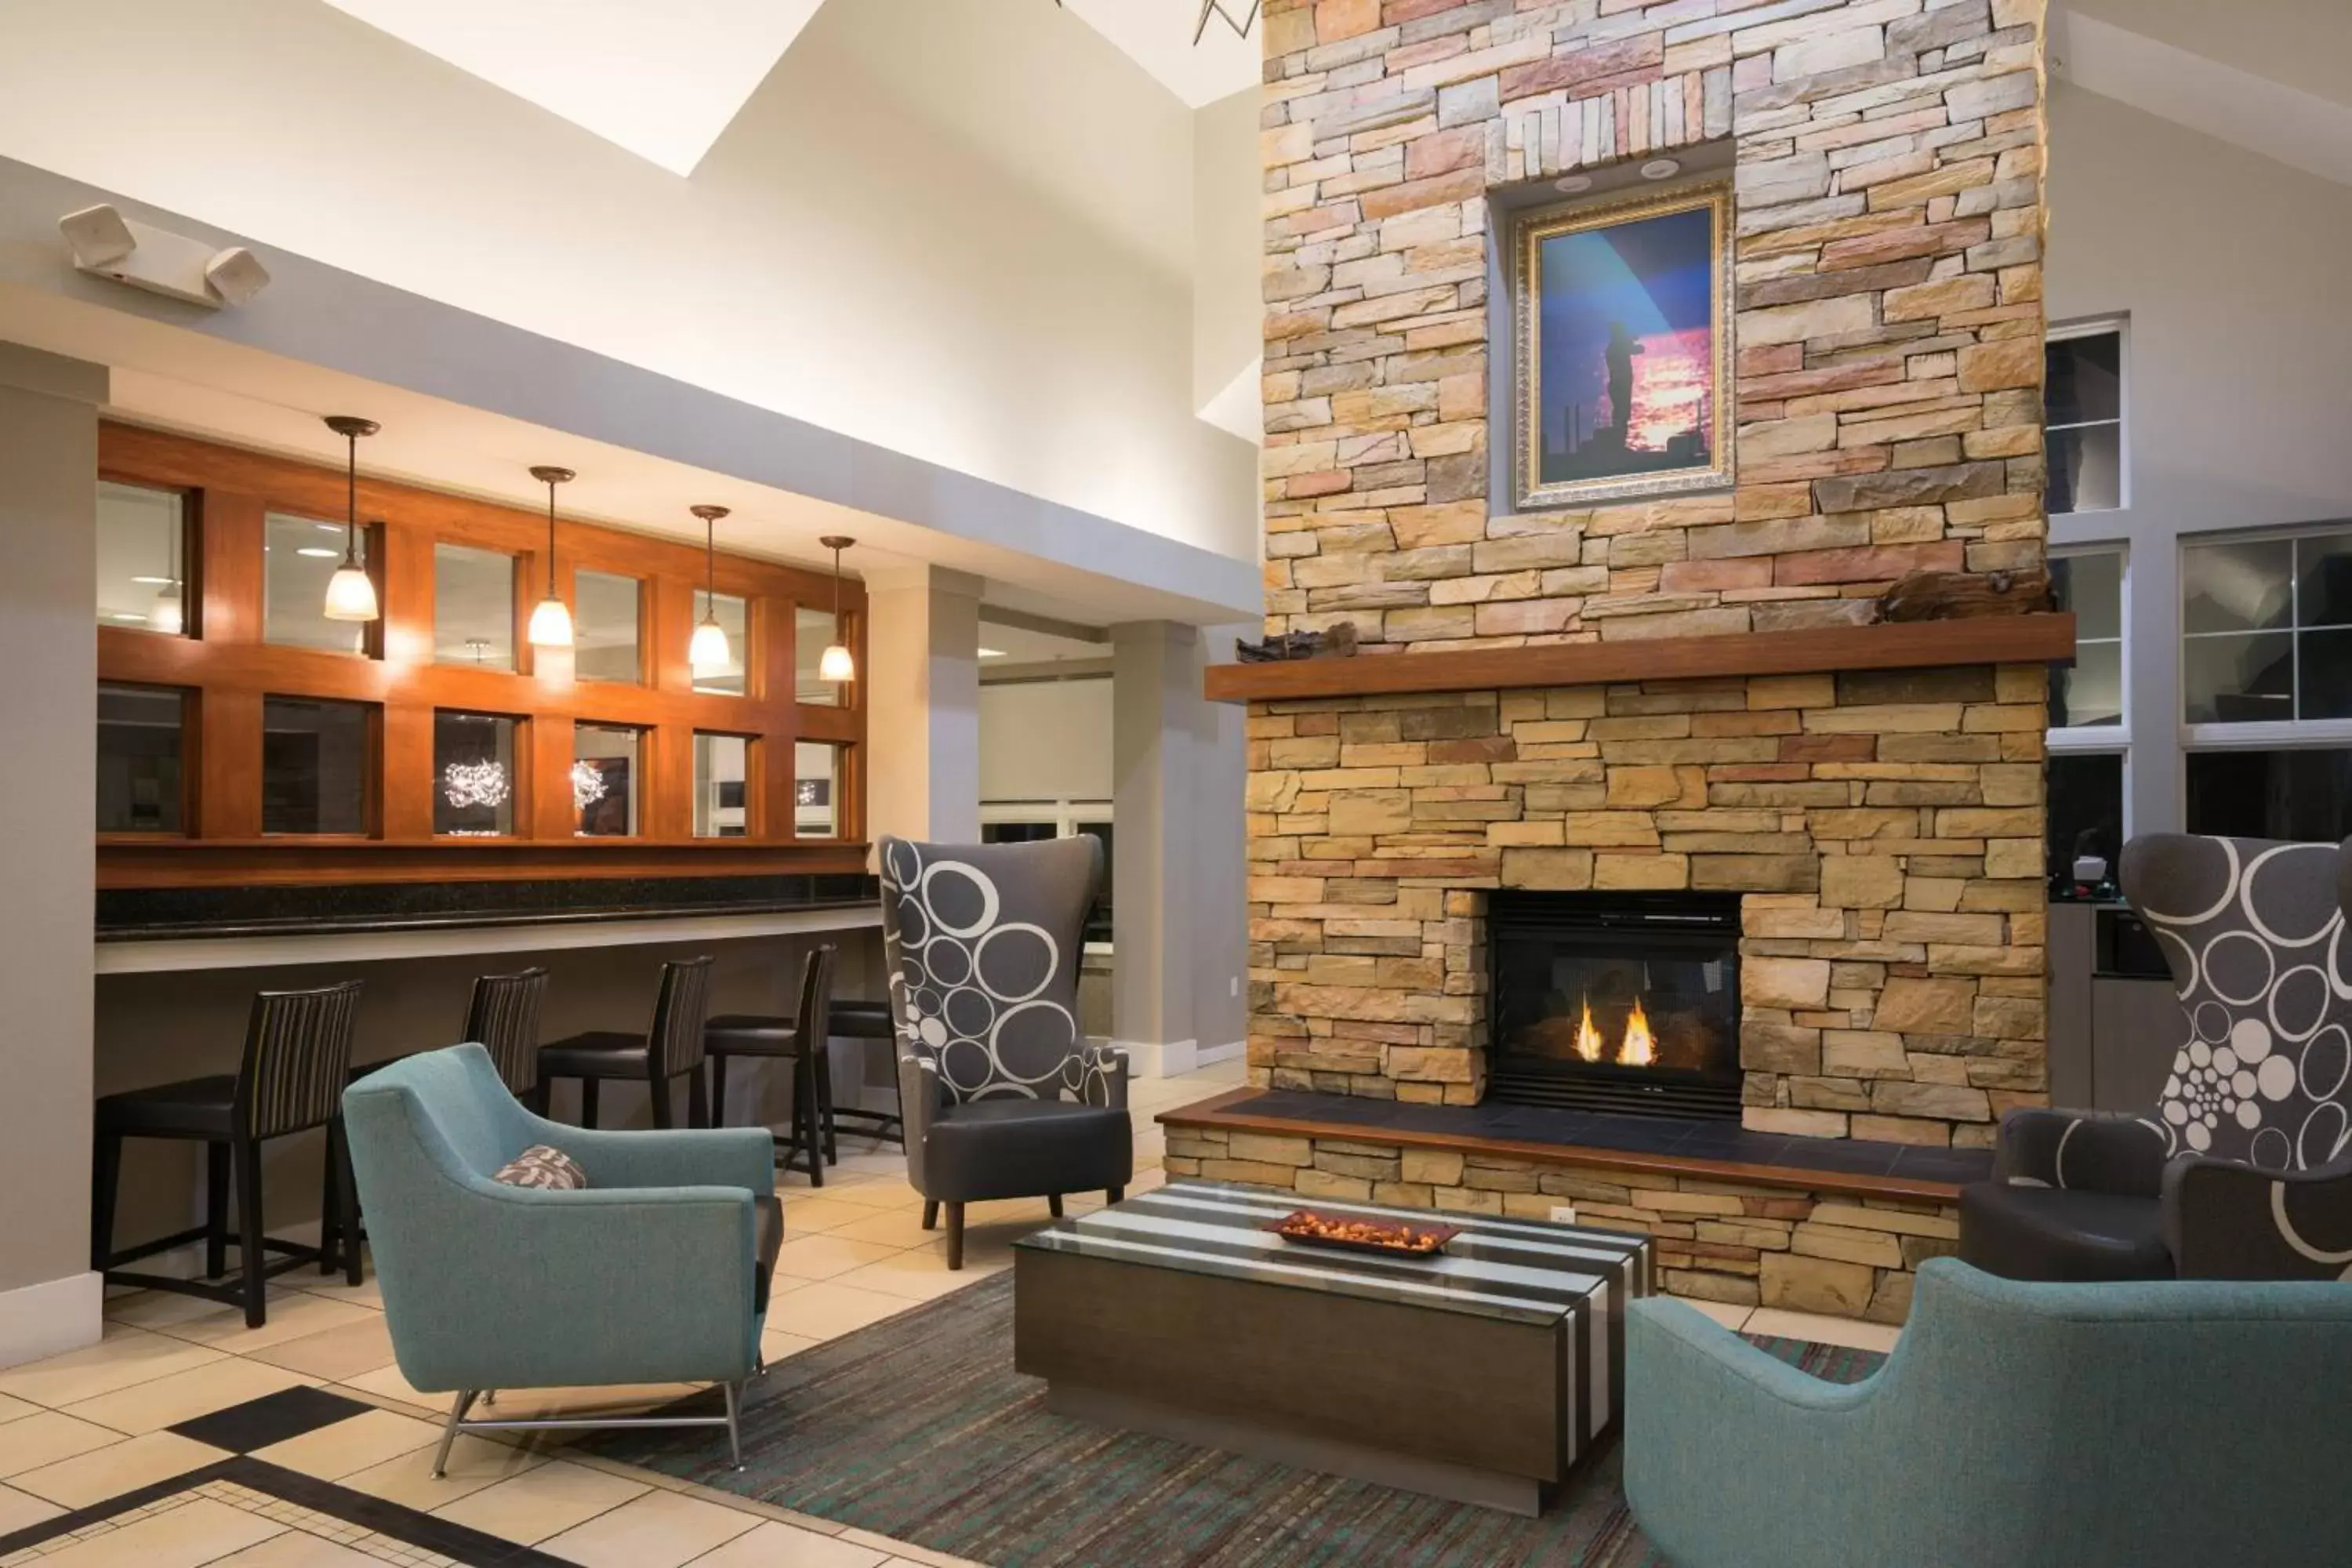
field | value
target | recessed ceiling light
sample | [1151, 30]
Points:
[1570, 184]
[1661, 169]
[328, 527]
[151, 582]
[991, 653]
[318, 551]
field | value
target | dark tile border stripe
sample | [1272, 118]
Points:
[471, 1547]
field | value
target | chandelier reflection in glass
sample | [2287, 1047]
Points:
[474, 784]
[587, 785]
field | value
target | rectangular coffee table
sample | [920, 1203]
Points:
[1482, 1374]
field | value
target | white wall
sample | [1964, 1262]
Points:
[2231, 269]
[848, 253]
[1228, 244]
[1046, 740]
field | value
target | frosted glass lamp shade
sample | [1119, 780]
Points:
[166, 616]
[551, 624]
[835, 665]
[350, 595]
[708, 653]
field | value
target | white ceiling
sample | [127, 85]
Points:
[1158, 36]
[662, 80]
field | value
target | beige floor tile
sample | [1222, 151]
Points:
[1731, 1317]
[368, 1292]
[822, 1256]
[184, 1395]
[46, 1438]
[889, 1228]
[919, 1274]
[774, 1545]
[297, 1548]
[11, 1408]
[816, 1213]
[124, 1357]
[387, 1382]
[201, 1532]
[164, 1309]
[659, 1530]
[21, 1510]
[1144, 1180]
[342, 1448]
[474, 1463]
[1880, 1337]
[891, 1194]
[903, 1553]
[293, 1316]
[338, 1354]
[776, 1346]
[103, 1473]
[542, 1502]
[828, 1308]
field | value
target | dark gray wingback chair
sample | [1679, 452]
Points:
[2244, 1169]
[1003, 1095]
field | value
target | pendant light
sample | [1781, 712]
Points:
[708, 653]
[351, 595]
[168, 615]
[836, 666]
[550, 622]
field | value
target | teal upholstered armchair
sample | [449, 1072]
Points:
[657, 1272]
[2175, 1424]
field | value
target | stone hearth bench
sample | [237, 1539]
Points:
[1829, 1225]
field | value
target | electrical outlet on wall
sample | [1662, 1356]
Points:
[1236, 984]
[1563, 1214]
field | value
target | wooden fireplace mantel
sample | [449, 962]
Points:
[1990, 639]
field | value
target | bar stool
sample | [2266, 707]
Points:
[672, 1047]
[502, 1017]
[298, 1054]
[853, 1018]
[799, 1039]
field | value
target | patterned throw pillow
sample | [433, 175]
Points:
[540, 1166]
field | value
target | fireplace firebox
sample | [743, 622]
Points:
[1615, 1002]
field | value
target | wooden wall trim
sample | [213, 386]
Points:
[227, 669]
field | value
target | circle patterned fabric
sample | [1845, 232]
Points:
[984, 963]
[2254, 935]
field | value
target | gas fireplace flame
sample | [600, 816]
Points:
[1589, 1043]
[1640, 1048]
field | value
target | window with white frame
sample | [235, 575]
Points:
[2089, 716]
[2082, 417]
[2267, 628]
[1028, 821]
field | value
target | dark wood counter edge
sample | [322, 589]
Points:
[1914, 645]
[363, 925]
[1213, 1113]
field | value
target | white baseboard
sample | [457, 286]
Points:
[1208, 1056]
[1158, 1059]
[51, 1317]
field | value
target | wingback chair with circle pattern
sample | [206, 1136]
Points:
[2243, 1167]
[1004, 1096]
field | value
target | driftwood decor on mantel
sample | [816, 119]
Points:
[1957, 596]
[1339, 642]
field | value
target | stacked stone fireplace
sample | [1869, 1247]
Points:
[1877, 831]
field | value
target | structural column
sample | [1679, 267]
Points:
[922, 705]
[49, 1300]
[1179, 918]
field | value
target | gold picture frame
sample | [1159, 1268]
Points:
[1605, 430]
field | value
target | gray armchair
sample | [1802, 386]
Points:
[1003, 1095]
[2243, 1168]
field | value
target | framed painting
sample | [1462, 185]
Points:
[1623, 361]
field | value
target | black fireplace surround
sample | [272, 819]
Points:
[1615, 1002]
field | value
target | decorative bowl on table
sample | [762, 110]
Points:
[1392, 1238]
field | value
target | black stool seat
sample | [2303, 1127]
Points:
[599, 1053]
[857, 1020]
[751, 1034]
[194, 1108]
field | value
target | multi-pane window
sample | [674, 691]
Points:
[142, 552]
[735, 620]
[2083, 418]
[2090, 583]
[140, 731]
[605, 626]
[2302, 793]
[721, 782]
[298, 555]
[606, 767]
[813, 631]
[473, 774]
[473, 607]
[316, 761]
[2267, 628]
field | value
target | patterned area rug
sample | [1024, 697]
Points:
[918, 1428]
